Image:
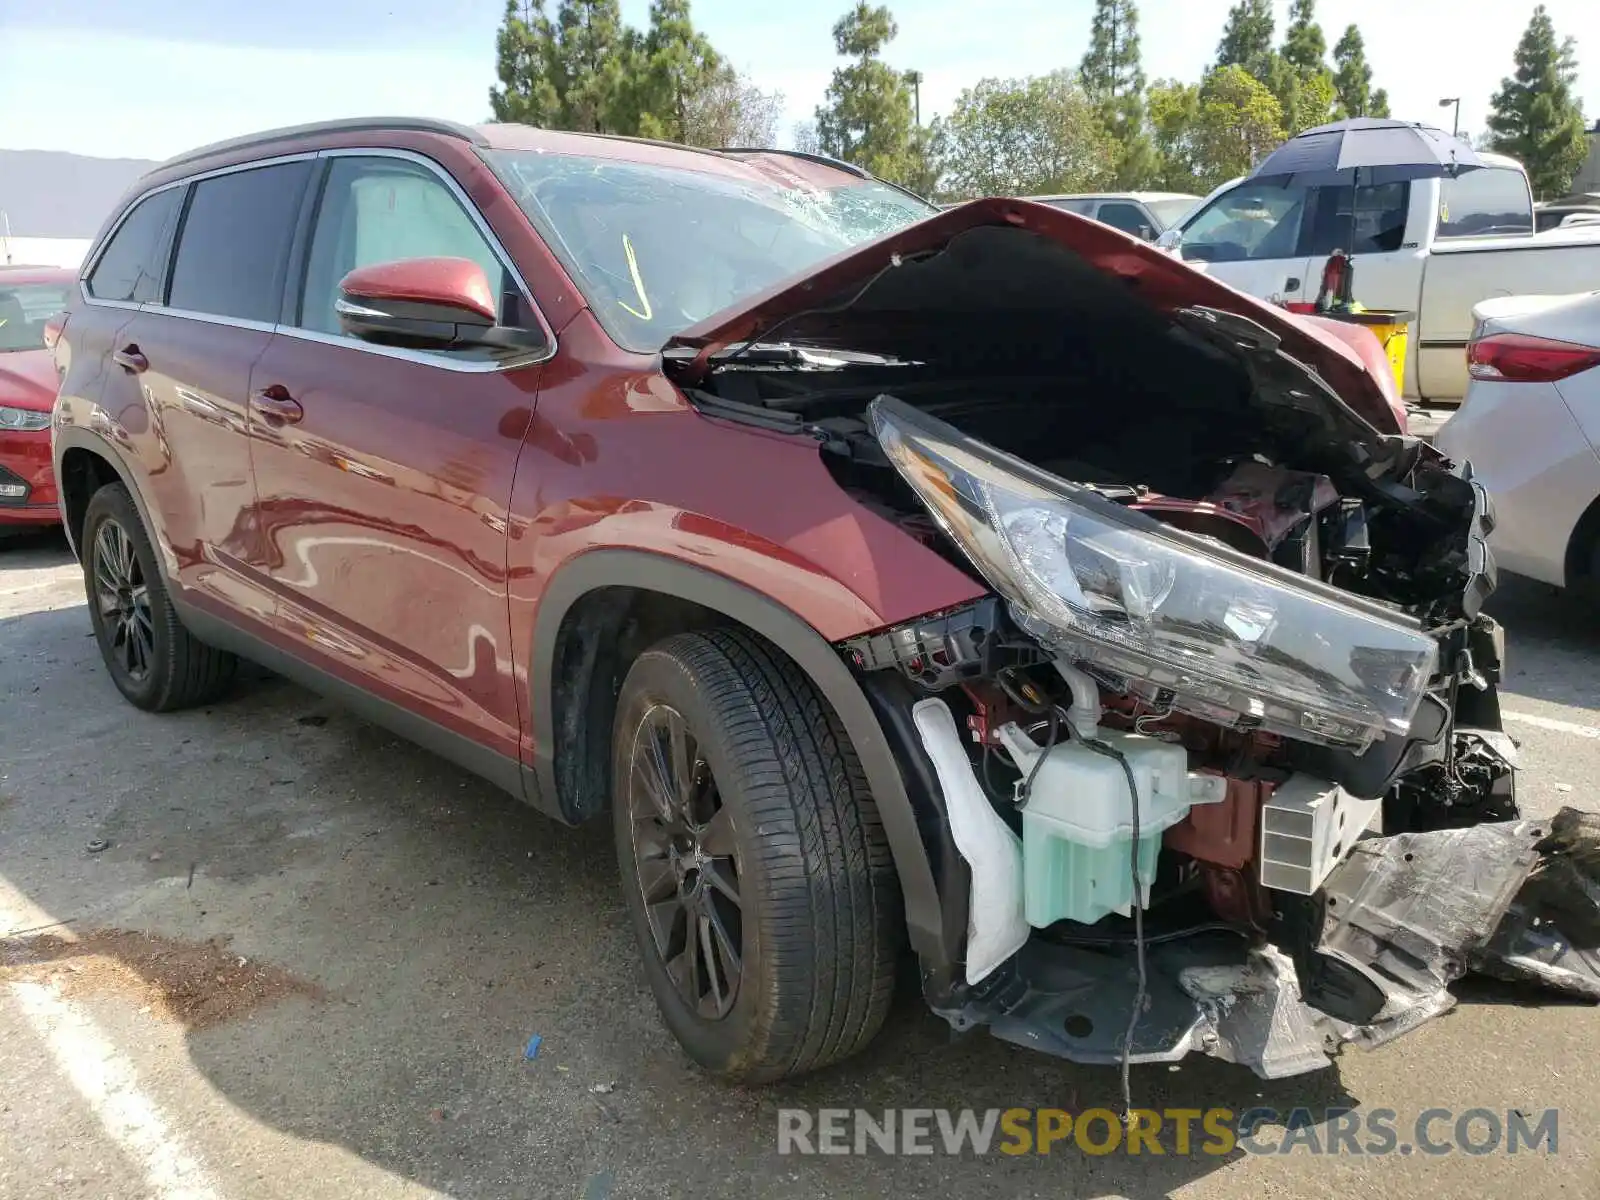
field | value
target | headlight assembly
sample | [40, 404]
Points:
[22, 420]
[1232, 638]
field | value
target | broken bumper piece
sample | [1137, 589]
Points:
[1394, 925]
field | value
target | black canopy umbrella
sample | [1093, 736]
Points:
[1366, 150]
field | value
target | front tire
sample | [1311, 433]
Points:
[154, 661]
[756, 871]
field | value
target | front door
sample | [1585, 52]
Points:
[1251, 237]
[384, 473]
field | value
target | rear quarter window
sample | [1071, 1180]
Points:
[130, 267]
[233, 245]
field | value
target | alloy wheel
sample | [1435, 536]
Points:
[124, 601]
[687, 861]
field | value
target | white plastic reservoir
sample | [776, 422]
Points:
[1077, 826]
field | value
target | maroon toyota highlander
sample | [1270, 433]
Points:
[983, 584]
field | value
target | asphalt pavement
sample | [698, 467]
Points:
[264, 949]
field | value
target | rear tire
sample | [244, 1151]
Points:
[741, 811]
[154, 661]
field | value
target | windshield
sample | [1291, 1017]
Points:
[24, 308]
[1253, 221]
[1168, 212]
[656, 249]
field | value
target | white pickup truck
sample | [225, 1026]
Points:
[1433, 247]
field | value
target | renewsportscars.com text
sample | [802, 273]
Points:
[1177, 1131]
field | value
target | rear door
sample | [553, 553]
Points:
[189, 354]
[384, 490]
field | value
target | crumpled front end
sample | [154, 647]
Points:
[1235, 629]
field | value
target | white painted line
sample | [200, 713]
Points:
[107, 1083]
[1550, 723]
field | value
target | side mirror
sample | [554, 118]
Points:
[427, 304]
[1171, 239]
[1147, 233]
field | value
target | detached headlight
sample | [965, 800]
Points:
[22, 420]
[1234, 639]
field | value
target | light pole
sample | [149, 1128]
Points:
[914, 78]
[1455, 120]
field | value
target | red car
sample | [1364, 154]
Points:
[29, 297]
[982, 580]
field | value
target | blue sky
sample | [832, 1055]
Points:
[150, 78]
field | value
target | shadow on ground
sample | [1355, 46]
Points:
[442, 925]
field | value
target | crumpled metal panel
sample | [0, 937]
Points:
[1410, 913]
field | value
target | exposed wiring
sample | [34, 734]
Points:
[638, 283]
[1140, 991]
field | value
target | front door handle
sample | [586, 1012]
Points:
[275, 405]
[1291, 284]
[131, 359]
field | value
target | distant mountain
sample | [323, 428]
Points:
[50, 194]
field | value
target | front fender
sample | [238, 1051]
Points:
[784, 629]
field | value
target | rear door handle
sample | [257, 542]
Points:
[131, 359]
[275, 405]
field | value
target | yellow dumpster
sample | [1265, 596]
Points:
[1389, 326]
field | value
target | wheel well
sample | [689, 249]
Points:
[83, 473]
[1581, 545]
[600, 636]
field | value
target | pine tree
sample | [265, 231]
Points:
[1113, 79]
[1352, 77]
[866, 115]
[674, 67]
[1304, 46]
[1535, 117]
[529, 67]
[1247, 39]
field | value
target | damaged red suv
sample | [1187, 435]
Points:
[984, 581]
[29, 298]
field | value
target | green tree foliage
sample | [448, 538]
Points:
[1304, 46]
[1174, 111]
[568, 73]
[1535, 116]
[866, 114]
[672, 66]
[1025, 137]
[1352, 77]
[1378, 106]
[1113, 79]
[1238, 120]
[1247, 39]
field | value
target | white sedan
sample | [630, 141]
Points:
[1529, 425]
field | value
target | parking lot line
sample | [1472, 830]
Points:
[109, 1086]
[1555, 726]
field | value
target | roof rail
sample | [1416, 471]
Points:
[343, 125]
[824, 159]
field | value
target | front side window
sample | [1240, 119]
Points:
[130, 267]
[233, 244]
[656, 249]
[24, 308]
[1247, 223]
[1487, 202]
[377, 210]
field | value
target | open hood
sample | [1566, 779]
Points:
[911, 294]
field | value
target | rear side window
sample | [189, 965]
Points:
[130, 266]
[233, 246]
[1377, 225]
[1485, 203]
[1127, 217]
